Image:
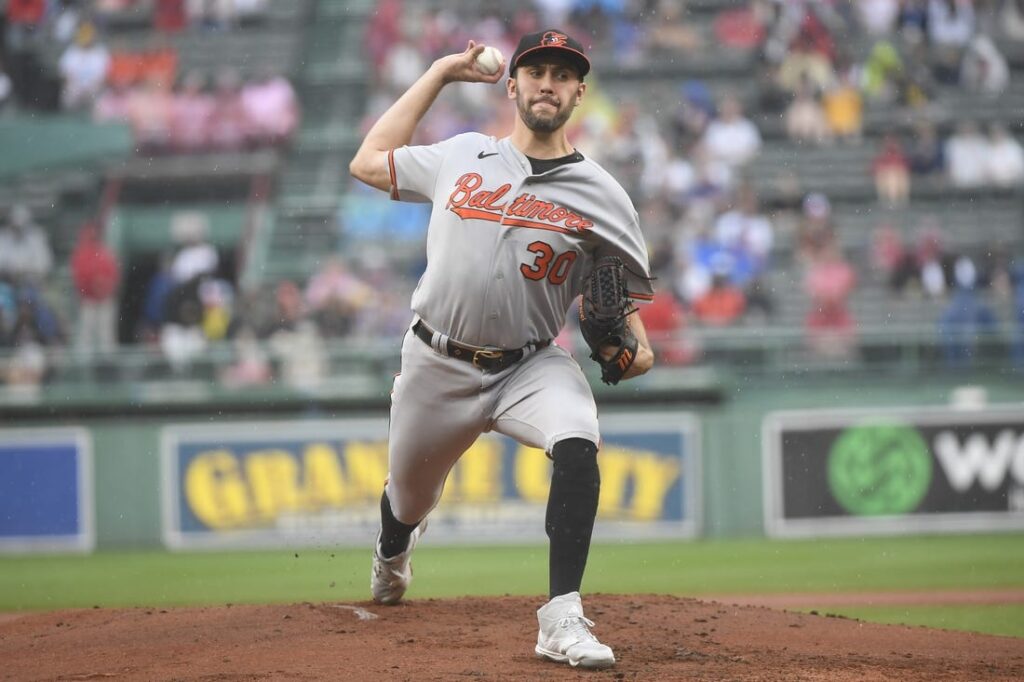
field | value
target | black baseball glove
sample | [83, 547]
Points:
[603, 312]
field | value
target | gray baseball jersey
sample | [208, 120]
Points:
[507, 251]
[507, 254]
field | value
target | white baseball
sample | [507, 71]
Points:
[489, 61]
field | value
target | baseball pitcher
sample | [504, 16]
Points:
[520, 228]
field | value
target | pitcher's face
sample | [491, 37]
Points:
[546, 93]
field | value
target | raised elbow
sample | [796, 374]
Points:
[356, 168]
[371, 168]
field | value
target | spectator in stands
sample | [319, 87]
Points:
[190, 115]
[289, 309]
[743, 28]
[1011, 19]
[732, 138]
[878, 17]
[926, 153]
[83, 68]
[745, 228]
[27, 364]
[1005, 158]
[302, 355]
[891, 172]
[195, 256]
[334, 296]
[130, 68]
[690, 119]
[916, 86]
[403, 65]
[251, 366]
[271, 109]
[383, 31]
[228, 123]
[967, 156]
[950, 25]
[723, 303]
[966, 318]
[803, 64]
[708, 190]
[24, 32]
[815, 231]
[984, 68]
[170, 16]
[805, 118]
[670, 32]
[215, 297]
[829, 282]
[113, 105]
[844, 109]
[912, 21]
[665, 322]
[928, 266]
[389, 315]
[887, 251]
[25, 256]
[883, 72]
[96, 274]
[155, 304]
[181, 337]
[150, 110]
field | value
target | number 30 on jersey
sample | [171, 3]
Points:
[547, 265]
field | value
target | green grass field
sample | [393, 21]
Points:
[962, 562]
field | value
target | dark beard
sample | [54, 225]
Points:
[543, 124]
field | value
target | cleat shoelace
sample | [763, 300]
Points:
[579, 626]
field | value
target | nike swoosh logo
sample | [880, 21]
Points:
[481, 155]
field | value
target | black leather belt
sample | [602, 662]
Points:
[487, 359]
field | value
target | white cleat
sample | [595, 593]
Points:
[565, 635]
[391, 577]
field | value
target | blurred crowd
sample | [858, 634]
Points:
[141, 84]
[821, 66]
[732, 246]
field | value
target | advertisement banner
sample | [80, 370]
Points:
[46, 489]
[319, 484]
[894, 470]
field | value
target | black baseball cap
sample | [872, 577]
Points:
[551, 40]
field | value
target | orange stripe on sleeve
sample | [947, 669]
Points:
[391, 171]
[641, 297]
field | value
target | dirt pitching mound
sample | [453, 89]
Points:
[655, 638]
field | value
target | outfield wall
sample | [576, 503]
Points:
[669, 470]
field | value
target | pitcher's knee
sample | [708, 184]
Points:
[409, 505]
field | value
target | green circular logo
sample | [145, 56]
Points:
[879, 470]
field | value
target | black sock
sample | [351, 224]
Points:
[572, 506]
[394, 535]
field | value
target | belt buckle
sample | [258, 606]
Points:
[485, 355]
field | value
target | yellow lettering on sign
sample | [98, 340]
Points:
[274, 481]
[367, 467]
[323, 483]
[215, 490]
[616, 466]
[532, 474]
[652, 478]
[477, 477]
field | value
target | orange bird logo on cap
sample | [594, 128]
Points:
[553, 39]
